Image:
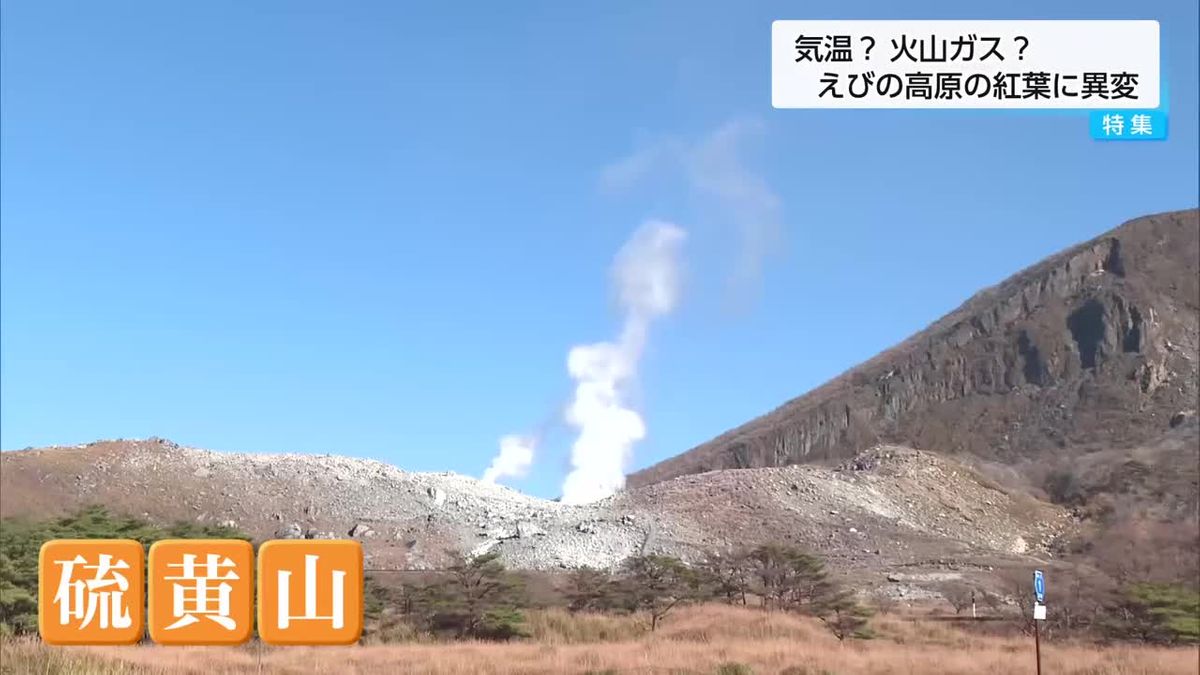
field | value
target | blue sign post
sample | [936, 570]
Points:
[1039, 614]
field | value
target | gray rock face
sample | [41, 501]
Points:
[1095, 344]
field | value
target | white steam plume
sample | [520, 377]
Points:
[514, 459]
[714, 169]
[646, 275]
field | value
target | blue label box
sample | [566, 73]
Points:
[1128, 125]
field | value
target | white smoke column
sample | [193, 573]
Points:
[715, 170]
[514, 460]
[646, 275]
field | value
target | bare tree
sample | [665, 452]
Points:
[727, 574]
[959, 595]
[1018, 584]
[992, 601]
[884, 602]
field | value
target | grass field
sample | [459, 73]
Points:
[705, 639]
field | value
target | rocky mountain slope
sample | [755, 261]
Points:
[1098, 345]
[889, 509]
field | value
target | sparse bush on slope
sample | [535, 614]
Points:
[1164, 613]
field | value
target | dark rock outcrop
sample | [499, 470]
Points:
[1095, 345]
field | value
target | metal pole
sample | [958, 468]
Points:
[1037, 645]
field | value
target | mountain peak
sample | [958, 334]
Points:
[1095, 344]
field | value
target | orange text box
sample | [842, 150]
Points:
[91, 591]
[310, 592]
[201, 591]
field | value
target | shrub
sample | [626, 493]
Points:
[1154, 612]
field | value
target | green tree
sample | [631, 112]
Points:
[18, 606]
[478, 598]
[376, 597]
[844, 616]
[659, 583]
[21, 541]
[590, 590]
[789, 579]
[792, 580]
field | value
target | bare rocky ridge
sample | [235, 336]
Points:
[889, 509]
[1097, 345]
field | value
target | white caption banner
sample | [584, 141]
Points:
[965, 64]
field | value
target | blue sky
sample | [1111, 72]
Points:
[375, 230]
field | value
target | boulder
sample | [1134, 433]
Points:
[438, 496]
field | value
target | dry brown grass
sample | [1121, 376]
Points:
[558, 627]
[693, 640]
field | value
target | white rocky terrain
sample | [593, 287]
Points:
[889, 509]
